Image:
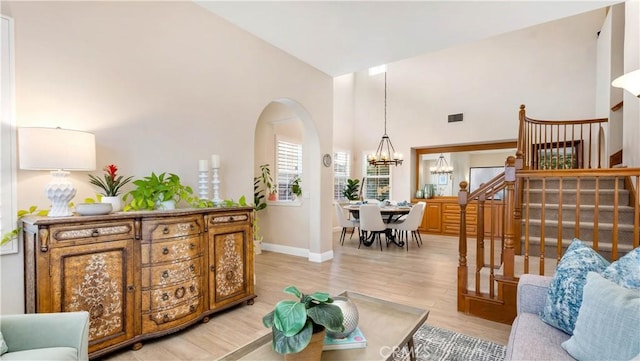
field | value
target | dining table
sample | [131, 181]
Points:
[390, 214]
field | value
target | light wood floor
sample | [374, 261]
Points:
[423, 277]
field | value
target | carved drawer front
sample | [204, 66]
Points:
[170, 274]
[172, 227]
[92, 232]
[171, 295]
[164, 319]
[171, 251]
[218, 220]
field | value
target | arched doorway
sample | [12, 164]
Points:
[291, 227]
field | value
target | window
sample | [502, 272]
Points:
[341, 172]
[7, 138]
[288, 166]
[377, 182]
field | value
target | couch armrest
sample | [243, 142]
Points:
[532, 293]
[40, 330]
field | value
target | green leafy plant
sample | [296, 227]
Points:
[295, 186]
[111, 183]
[154, 189]
[350, 190]
[265, 175]
[7, 237]
[293, 322]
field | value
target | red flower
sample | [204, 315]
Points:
[111, 170]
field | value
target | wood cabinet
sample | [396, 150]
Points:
[442, 216]
[139, 274]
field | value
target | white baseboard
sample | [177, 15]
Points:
[299, 252]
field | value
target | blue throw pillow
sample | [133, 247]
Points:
[626, 270]
[608, 324]
[565, 290]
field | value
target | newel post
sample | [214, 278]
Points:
[463, 196]
[510, 224]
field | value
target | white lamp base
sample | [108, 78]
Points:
[60, 192]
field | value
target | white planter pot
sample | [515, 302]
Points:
[257, 245]
[166, 205]
[116, 203]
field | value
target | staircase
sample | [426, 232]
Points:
[568, 206]
[554, 191]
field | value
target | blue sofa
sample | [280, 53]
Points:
[46, 336]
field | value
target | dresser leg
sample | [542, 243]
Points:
[136, 346]
[205, 319]
[250, 302]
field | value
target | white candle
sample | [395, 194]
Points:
[215, 161]
[203, 165]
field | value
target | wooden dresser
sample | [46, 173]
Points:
[139, 274]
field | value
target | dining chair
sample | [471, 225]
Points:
[371, 222]
[346, 223]
[410, 224]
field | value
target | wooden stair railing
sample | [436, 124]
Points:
[560, 144]
[506, 235]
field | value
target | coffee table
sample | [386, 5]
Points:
[387, 326]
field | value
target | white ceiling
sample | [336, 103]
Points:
[340, 37]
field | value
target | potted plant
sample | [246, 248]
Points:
[259, 203]
[296, 189]
[350, 190]
[294, 322]
[110, 186]
[271, 187]
[160, 191]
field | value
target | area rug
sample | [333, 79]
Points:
[433, 343]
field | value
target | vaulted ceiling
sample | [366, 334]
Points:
[340, 37]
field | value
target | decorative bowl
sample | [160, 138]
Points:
[93, 209]
[351, 316]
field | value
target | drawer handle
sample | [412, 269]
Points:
[192, 308]
[165, 318]
[165, 230]
[192, 288]
[192, 268]
[192, 227]
[95, 233]
[192, 246]
[165, 296]
[165, 274]
[131, 288]
[213, 268]
[165, 250]
[180, 291]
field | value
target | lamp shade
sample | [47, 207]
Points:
[55, 148]
[630, 82]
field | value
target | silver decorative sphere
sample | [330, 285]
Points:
[350, 314]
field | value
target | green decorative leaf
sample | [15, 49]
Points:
[267, 320]
[320, 296]
[329, 316]
[290, 344]
[290, 317]
[293, 290]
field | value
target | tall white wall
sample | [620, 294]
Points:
[162, 85]
[550, 68]
[631, 109]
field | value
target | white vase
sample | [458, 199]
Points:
[166, 205]
[116, 203]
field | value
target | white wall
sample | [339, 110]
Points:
[162, 85]
[631, 109]
[550, 68]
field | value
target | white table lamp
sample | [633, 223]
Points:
[58, 150]
[630, 82]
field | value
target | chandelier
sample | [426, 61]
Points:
[441, 167]
[385, 154]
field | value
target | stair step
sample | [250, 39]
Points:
[571, 183]
[586, 212]
[551, 251]
[569, 196]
